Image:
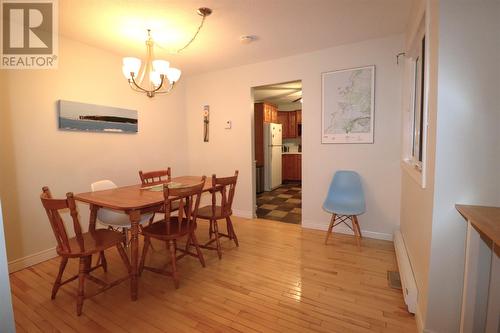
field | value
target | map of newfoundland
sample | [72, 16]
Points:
[348, 106]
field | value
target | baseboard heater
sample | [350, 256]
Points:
[406, 273]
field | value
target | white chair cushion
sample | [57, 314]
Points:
[116, 219]
[112, 218]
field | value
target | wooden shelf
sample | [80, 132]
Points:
[483, 218]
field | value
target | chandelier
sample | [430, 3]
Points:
[156, 76]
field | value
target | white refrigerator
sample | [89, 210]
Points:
[272, 155]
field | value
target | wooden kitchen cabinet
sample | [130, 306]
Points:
[269, 112]
[286, 167]
[259, 134]
[291, 167]
[263, 113]
[292, 124]
[299, 116]
[289, 120]
[283, 120]
[274, 114]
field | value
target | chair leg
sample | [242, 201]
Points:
[330, 228]
[125, 237]
[230, 231]
[355, 220]
[198, 250]
[124, 257]
[172, 248]
[57, 283]
[81, 283]
[147, 243]
[188, 243]
[104, 262]
[210, 229]
[217, 240]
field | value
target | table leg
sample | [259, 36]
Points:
[134, 251]
[93, 217]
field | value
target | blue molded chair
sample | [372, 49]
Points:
[345, 201]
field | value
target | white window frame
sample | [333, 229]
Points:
[410, 161]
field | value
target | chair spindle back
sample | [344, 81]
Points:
[52, 208]
[189, 200]
[155, 177]
[226, 186]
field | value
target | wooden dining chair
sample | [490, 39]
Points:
[172, 228]
[82, 246]
[225, 187]
[157, 177]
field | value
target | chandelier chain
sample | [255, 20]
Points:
[195, 35]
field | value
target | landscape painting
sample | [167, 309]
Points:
[74, 116]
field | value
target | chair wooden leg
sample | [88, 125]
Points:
[172, 248]
[147, 243]
[103, 261]
[217, 240]
[57, 283]
[82, 271]
[188, 243]
[330, 228]
[230, 230]
[355, 220]
[198, 250]
[210, 229]
[126, 238]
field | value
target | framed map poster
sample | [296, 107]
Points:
[348, 101]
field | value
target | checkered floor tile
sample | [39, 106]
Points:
[282, 204]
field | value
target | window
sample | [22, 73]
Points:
[418, 106]
[415, 99]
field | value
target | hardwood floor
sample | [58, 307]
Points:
[280, 279]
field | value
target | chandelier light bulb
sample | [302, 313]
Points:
[131, 65]
[173, 74]
[155, 78]
[161, 66]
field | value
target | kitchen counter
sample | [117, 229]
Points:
[292, 153]
[481, 287]
[484, 219]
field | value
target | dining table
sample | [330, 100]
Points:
[134, 200]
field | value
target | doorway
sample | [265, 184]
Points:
[278, 151]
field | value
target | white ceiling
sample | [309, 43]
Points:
[283, 27]
[281, 93]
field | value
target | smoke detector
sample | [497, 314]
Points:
[247, 39]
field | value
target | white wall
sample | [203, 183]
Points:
[35, 153]
[467, 144]
[228, 92]
[417, 202]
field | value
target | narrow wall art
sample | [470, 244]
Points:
[74, 116]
